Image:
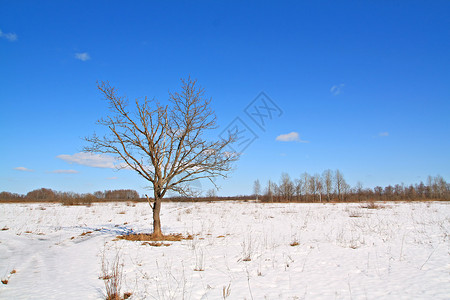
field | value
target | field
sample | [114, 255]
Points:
[239, 250]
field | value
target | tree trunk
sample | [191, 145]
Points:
[156, 219]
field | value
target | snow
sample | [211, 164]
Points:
[344, 251]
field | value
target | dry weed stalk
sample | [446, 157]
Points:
[112, 275]
[247, 249]
[295, 242]
[354, 214]
[226, 291]
[199, 261]
[371, 205]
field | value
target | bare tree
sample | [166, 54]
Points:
[359, 190]
[211, 193]
[271, 187]
[305, 178]
[340, 183]
[298, 186]
[327, 176]
[165, 144]
[346, 189]
[312, 187]
[256, 188]
[318, 185]
[286, 187]
[441, 185]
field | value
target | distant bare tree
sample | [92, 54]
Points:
[346, 190]
[312, 187]
[271, 188]
[42, 194]
[256, 188]
[298, 187]
[430, 186]
[340, 183]
[99, 195]
[327, 177]
[441, 186]
[165, 144]
[305, 178]
[286, 187]
[211, 193]
[120, 195]
[378, 191]
[359, 190]
[319, 186]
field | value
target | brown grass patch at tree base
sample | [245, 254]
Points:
[150, 237]
[117, 297]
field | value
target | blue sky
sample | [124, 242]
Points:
[363, 86]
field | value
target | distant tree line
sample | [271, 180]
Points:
[69, 198]
[209, 198]
[331, 186]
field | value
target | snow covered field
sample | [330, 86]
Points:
[251, 250]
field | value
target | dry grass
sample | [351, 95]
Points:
[226, 291]
[156, 244]
[6, 280]
[149, 237]
[354, 214]
[82, 234]
[112, 275]
[294, 243]
[371, 205]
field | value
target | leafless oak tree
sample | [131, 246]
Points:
[165, 144]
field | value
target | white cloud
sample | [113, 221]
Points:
[383, 133]
[23, 169]
[64, 172]
[82, 56]
[290, 137]
[9, 36]
[337, 89]
[90, 160]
